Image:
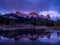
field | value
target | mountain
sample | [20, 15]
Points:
[19, 15]
[19, 18]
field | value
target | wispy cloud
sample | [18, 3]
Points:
[30, 5]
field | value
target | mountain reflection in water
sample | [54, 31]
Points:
[53, 40]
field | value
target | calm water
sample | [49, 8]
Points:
[54, 40]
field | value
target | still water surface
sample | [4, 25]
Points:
[54, 40]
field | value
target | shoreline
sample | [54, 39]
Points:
[16, 27]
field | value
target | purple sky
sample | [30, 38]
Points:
[29, 5]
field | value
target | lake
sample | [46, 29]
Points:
[53, 40]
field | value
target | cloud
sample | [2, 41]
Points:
[53, 14]
[30, 5]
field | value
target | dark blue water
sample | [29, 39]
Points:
[25, 41]
[53, 40]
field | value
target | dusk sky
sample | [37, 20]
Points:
[29, 5]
